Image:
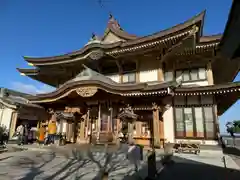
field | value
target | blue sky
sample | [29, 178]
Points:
[46, 28]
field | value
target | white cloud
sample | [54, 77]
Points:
[31, 89]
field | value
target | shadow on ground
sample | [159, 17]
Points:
[68, 169]
[231, 151]
[188, 170]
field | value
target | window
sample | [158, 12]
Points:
[199, 122]
[193, 122]
[179, 122]
[129, 78]
[168, 76]
[186, 76]
[191, 75]
[194, 74]
[209, 122]
[188, 118]
[202, 73]
[179, 75]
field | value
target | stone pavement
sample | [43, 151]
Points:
[208, 158]
[59, 164]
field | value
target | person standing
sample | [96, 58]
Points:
[19, 133]
[25, 136]
[52, 129]
[41, 135]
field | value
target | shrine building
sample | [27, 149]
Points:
[167, 87]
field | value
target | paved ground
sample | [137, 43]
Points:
[234, 152]
[62, 164]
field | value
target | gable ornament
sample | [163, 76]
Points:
[86, 91]
[2, 106]
[96, 54]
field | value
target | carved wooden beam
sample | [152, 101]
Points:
[156, 106]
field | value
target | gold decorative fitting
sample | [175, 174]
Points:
[155, 106]
[194, 30]
[86, 91]
[96, 55]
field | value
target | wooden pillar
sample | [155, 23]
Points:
[64, 126]
[156, 126]
[210, 74]
[138, 128]
[120, 71]
[108, 124]
[61, 125]
[78, 131]
[89, 125]
[161, 129]
[99, 119]
[120, 78]
[118, 125]
[138, 71]
[68, 131]
[72, 131]
[82, 128]
[160, 72]
[13, 124]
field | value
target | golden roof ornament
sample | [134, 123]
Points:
[86, 91]
[194, 29]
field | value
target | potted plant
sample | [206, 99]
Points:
[2, 134]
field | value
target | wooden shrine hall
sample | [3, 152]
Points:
[165, 87]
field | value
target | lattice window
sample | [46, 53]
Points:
[191, 74]
[199, 122]
[188, 118]
[209, 122]
[180, 130]
[168, 76]
[129, 78]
